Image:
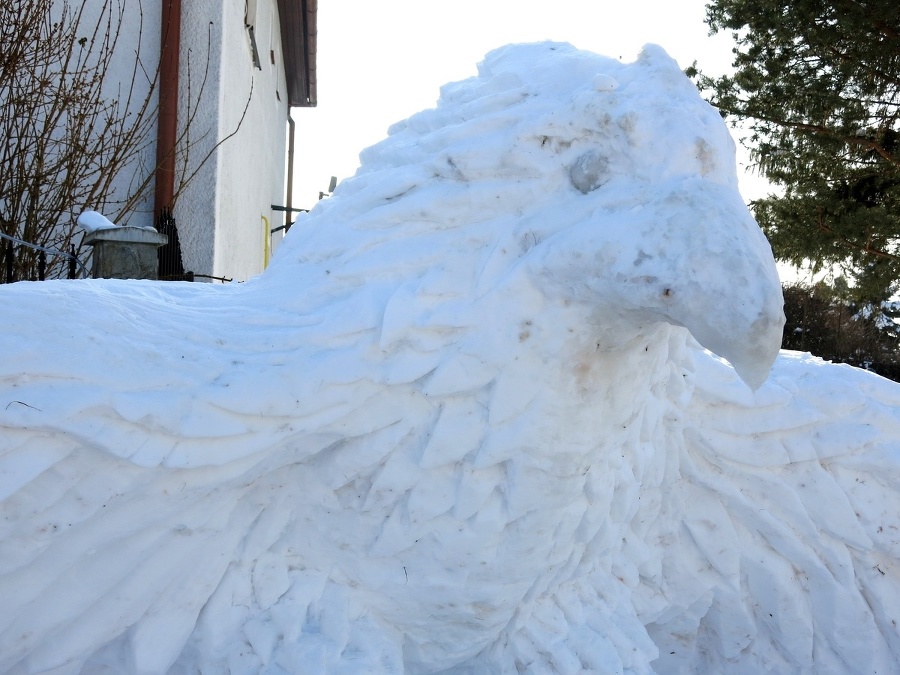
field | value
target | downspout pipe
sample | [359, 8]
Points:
[169, 42]
[289, 196]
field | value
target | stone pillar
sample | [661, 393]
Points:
[125, 252]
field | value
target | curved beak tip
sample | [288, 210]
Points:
[753, 356]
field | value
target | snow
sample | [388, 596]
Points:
[91, 221]
[511, 400]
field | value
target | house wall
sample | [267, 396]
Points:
[230, 164]
[130, 80]
[197, 158]
[251, 163]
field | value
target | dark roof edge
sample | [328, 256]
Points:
[298, 19]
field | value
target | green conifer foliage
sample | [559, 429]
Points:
[817, 84]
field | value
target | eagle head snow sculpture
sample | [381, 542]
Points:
[612, 185]
[433, 435]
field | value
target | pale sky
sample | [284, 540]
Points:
[379, 62]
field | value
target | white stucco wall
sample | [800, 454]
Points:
[219, 212]
[197, 164]
[251, 164]
[129, 81]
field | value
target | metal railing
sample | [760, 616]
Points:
[10, 246]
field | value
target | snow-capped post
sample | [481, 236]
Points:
[125, 252]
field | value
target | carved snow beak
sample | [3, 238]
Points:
[748, 336]
[731, 294]
[725, 289]
[692, 256]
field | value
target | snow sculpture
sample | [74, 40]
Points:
[93, 221]
[461, 423]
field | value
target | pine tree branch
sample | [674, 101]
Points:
[866, 248]
[819, 130]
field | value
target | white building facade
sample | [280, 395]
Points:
[241, 66]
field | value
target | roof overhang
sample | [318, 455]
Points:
[298, 43]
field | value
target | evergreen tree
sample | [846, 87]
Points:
[817, 85]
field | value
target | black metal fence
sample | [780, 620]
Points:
[12, 246]
[171, 263]
[171, 266]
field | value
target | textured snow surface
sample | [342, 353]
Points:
[463, 423]
[92, 221]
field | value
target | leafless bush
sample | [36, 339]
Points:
[825, 322]
[75, 136]
[70, 135]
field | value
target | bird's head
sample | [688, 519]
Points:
[685, 253]
[654, 227]
[640, 217]
[608, 185]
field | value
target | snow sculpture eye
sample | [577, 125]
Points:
[605, 83]
[589, 171]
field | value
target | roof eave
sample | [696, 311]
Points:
[298, 19]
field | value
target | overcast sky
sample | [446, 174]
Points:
[379, 62]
